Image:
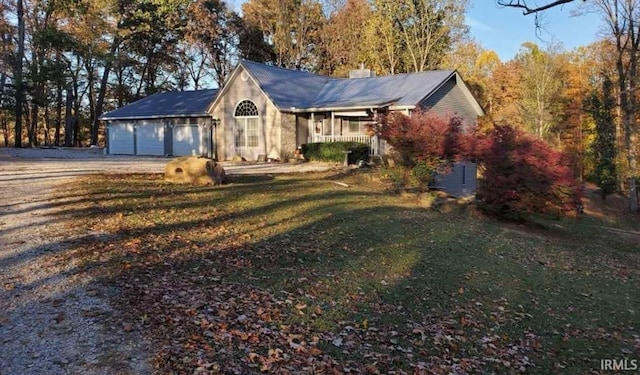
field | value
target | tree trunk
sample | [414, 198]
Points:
[628, 128]
[68, 119]
[26, 118]
[47, 126]
[95, 127]
[5, 130]
[633, 195]
[91, 95]
[32, 131]
[3, 116]
[76, 114]
[58, 113]
[18, 74]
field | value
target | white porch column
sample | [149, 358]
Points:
[312, 128]
[333, 126]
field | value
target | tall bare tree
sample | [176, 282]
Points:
[18, 78]
[541, 87]
[212, 36]
[7, 43]
[291, 27]
[343, 37]
[384, 42]
[413, 35]
[428, 29]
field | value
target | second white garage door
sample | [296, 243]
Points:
[150, 139]
[187, 140]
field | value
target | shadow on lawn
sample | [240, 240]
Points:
[376, 281]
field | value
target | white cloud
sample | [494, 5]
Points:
[478, 25]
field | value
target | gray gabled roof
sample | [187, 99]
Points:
[293, 90]
[401, 89]
[297, 90]
[286, 88]
[166, 104]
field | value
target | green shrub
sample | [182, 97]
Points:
[423, 173]
[334, 151]
[405, 178]
[396, 175]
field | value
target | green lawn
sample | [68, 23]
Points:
[295, 274]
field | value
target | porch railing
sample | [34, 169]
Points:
[372, 141]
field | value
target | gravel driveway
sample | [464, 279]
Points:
[54, 320]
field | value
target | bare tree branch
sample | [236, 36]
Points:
[526, 10]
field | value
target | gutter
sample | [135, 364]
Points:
[335, 109]
[402, 107]
[153, 117]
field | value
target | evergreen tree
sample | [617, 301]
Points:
[604, 146]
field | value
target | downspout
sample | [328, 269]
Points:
[214, 144]
[375, 143]
[107, 139]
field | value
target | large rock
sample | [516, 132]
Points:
[194, 170]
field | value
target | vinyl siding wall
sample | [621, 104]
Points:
[449, 101]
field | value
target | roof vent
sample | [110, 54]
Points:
[362, 73]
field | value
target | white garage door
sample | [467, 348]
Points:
[187, 140]
[150, 139]
[121, 139]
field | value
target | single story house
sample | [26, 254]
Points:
[267, 112]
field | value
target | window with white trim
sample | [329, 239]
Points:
[246, 133]
[354, 125]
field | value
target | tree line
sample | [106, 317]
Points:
[65, 62]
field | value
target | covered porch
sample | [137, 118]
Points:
[344, 126]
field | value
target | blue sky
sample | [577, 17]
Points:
[503, 30]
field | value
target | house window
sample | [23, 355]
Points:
[326, 127]
[252, 132]
[318, 124]
[246, 108]
[354, 125]
[246, 125]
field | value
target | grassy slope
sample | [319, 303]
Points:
[294, 273]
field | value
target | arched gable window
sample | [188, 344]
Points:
[246, 108]
[246, 124]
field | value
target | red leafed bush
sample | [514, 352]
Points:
[524, 175]
[421, 138]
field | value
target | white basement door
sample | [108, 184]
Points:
[150, 139]
[187, 140]
[121, 139]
